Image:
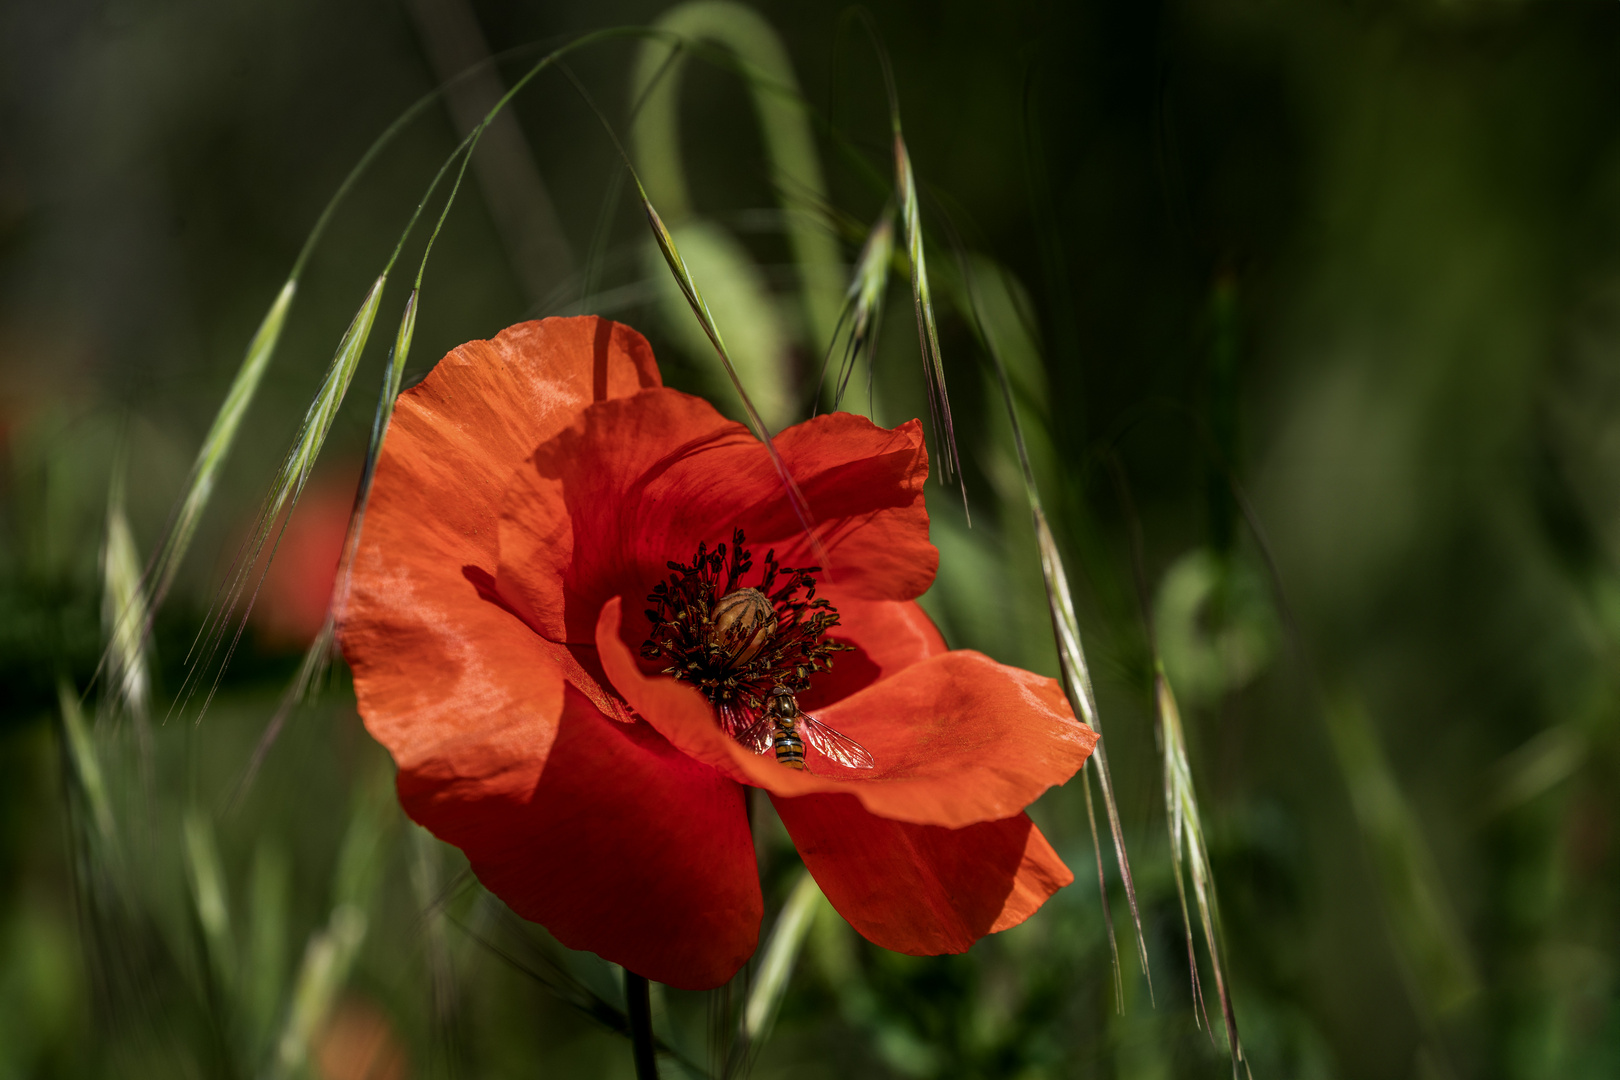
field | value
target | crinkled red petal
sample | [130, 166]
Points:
[957, 738]
[447, 679]
[623, 846]
[604, 507]
[922, 889]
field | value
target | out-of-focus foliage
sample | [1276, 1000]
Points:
[1319, 300]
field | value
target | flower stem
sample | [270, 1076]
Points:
[641, 1033]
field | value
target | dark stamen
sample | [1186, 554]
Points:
[728, 645]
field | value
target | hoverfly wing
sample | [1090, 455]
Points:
[752, 731]
[835, 747]
[758, 736]
[734, 719]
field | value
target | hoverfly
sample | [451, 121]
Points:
[783, 727]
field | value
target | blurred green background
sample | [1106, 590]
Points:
[1313, 314]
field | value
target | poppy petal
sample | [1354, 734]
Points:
[863, 485]
[605, 506]
[440, 669]
[882, 636]
[573, 519]
[474, 695]
[958, 738]
[922, 889]
[622, 846]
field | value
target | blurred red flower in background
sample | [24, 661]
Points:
[532, 492]
[291, 605]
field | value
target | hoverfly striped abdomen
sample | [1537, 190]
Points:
[789, 747]
[783, 710]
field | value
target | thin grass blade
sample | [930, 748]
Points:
[289, 483]
[1076, 675]
[694, 298]
[905, 187]
[208, 894]
[1077, 684]
[863, 309]
[261, 349]
[1422, 923]
[1189, 853]
[751, 47]
[870, 283]
[124, 609]
[318, 656]
[86, 763]
[758, 327]
[217, 443]
[1102, 895]
[398, 356]
[700, 309]
[318, 421]
[329, 956]
[325, 968]
[780, 956]
[939, 402]
[431, 897]
[264, 966]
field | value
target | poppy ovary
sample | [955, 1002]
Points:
[735, 642]
[743, 621]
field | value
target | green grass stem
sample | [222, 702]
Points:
[1076, 675]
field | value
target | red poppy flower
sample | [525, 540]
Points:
[533, 493]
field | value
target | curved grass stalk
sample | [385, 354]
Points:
[140, 605]
[300, 461]
[700, 309]
[694, 298]
[767, 71]
[289, 484]
[905, 188]
[1076, 675]
[261, 349]
[318, 655]
[1422, 924]
[788, 141]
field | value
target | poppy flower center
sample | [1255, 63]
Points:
[737, 642]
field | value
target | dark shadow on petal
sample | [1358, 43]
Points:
[599, 360]
[484, 582]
